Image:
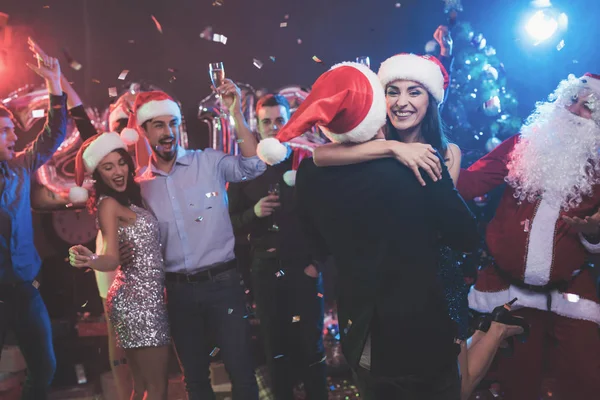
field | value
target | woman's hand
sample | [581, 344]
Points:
[80, 256]
[418, 156]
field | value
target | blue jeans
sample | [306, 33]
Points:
[217, 304]
[22, 310]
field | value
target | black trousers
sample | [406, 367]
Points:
[290, 307]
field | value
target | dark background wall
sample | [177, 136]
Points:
[108, 36]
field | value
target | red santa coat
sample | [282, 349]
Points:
[532, 243]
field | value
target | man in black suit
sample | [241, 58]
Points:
[384, 231]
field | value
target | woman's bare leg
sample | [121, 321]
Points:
[152, 363]
[118, 362]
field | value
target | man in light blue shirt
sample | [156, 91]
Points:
[185, 190]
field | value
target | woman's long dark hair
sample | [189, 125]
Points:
[432, 129]
[131, 195]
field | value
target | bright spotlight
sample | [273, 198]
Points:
[541, 26]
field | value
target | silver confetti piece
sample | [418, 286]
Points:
[280, 273]
[112, 92]
[215, 351]
[75, 65]
[272, 58]
[278, 356]
[38, 113]
[123, 74]
[257, 63]
[199, 219]
[560, 45]
[283, 25]
[219, 38]
[239, 141]
[212, 194]
[230, 311]
[295, 318]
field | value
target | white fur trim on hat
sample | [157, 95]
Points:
[374, 119]
[78, 195]
[271, 151]
[129, 136]
[156, 108]
[413, 68]
[592, 83]
[100, 148]
[116, 114]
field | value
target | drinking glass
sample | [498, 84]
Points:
[217, 77]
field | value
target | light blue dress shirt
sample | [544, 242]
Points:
[191, 206]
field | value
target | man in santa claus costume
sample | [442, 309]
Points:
[540, 237]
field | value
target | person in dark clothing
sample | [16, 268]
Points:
[287, 287]
[384, 230]
[21, 306]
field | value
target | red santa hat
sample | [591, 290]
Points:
[347, 103]
[427, 70]
[91, 152]
[117, 113]
[149, 105]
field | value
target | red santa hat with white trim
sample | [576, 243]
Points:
[347, 103]
[427, 70]
[149, 105]
[91, 152]
[117, 113]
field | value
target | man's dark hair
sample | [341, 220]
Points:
[5, 113]
[273, 100]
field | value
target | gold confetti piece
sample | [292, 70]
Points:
[257, 63]
[212, 194]
[215, 351]
[158, 26]
[272, 58]
[283, 25]
[123, 74]
[218, 3]
[199, 219]
[35, 284]
[317, 59]
[38, 113]
[75, 65]
[112, 92]
[295, 318]
[95, 81]
[85, 304]
[299, 41]
[219, 38]
[560, 46]
[230, 311]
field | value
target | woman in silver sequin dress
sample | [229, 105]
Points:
[135, 301]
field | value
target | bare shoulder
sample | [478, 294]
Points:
[108, 206]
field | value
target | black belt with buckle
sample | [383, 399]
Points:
[201, 276]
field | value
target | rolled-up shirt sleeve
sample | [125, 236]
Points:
[237, 168]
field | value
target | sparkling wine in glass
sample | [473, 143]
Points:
[217, 77]
[274, 191]
[364, 60]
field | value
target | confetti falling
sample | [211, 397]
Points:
[131, 41]
[38, 113]
[112, 92]
[158, 26]
[398, 5]
[215, 351]
[317, 59]
[272, 58]
[85, 304]
[219, 38]
[561, 45]
[212, 194]
[280, 273]
[95, 81]
[75, 65]
[283, 25]
[172, 79]
[278, 356]
[199, 219]
[123, 74]
[218, 3]
[230, 311]
[207, 33]
[257, 63]
[286, 16]
[320, 295]
[299, 41]
[295, 318]
[238, 141]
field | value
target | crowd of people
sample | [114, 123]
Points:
[384, 199]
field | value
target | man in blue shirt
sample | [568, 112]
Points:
[186, 191]
[21, 306]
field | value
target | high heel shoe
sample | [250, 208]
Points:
[502, 314]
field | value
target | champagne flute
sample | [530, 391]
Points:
[274, 191]
[217, 77]
[364, 60]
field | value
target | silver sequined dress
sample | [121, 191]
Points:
[136, 300]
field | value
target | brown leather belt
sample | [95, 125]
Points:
[201, 276]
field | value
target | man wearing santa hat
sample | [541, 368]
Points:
[21, 306]
[286, 284]
[540, 238]
[185, 190]
[384, 239]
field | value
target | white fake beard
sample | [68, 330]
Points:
[557, 157]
